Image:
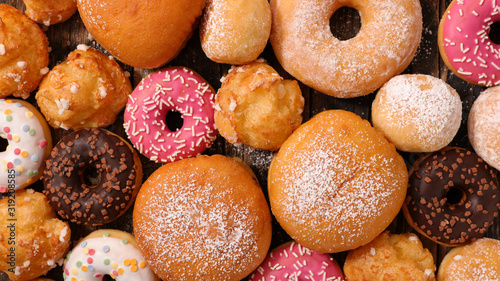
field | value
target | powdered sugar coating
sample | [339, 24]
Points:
[201, 222]
[304, 45]
[479, 260]
[484, 126]
[417, 113]
[336, 184]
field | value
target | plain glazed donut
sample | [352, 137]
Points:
[107, 252]
[385, 45]
[477, 261]
[336, 183]
[484, 126]
[175, 89]
[453, 196]
[464, 42]
[30, 143]
[291, 260]
[119, 172]
[202, 218]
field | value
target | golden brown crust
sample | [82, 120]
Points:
[395, 257]
[336, 183]
[144, 34]
[231, 36]
[87, 90]
[257, 107]
[202, 218]
[24, 53]
[417, 113]
[41, 238]
[479, 260]
[49, 12]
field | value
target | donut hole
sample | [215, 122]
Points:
[345, 23]
[174, 120]
[3, 144]
[494, 33]
[91, 177]
[455, 196]
[107, 277]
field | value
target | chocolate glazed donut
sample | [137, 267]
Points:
[119, 174]
[453, 196]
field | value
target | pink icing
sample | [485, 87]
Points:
[467, 45]
[178, 89]
[295, 262]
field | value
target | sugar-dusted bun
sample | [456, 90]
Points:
[484, 126]
[417, 113]
[49, 12]
[336, 183]
[202, 218]
[235, 31]
[144, 34]
[478, 261]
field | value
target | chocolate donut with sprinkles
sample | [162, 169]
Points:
[175, 89]
[107, 252]
[71, 186]
[453, 196]
[465, 44]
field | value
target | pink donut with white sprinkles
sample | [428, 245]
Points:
[465, 43]
[176, 89]
[291, 261]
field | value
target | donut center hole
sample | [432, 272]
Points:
[3, 144]
[107, 277]
[455, 196]
[91, 177]
[345, 23]
[494, 33]
[174, 120]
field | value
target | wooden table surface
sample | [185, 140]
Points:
[64, 38]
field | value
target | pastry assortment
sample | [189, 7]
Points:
[128, 149]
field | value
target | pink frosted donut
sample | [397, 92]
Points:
[464, 41]
[291, 261]
[176, 89]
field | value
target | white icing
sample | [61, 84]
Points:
[23, 153]
[118, 253]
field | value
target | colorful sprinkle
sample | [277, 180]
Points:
[105, 235]
[3, 189]
[34, 158]
[134, 268]
[74, 279]
[24, 154]
[91, 252]
[79, 264]
[126, 262]
[18, 104]
[29, 114]
[133, 261]
[16, 138]
[105, 249]
[17, 161]
[98, 275]
[26, 128]
[91, 268]
[8, 101]
[8, 112]
[31, 132]
[17, 151]
[43, 143]
[124, 241]
[10, 165]
[85, 268]
[20, 168]
[8, 118]
[114, 265]
[86, 251]
[121, 271]
[74, 271]
[90, 260]
[142, 265]
[6, 129]
[107, 261]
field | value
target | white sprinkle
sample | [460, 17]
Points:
[102, 92]
[475, 13]
[22, 64]
[82, 47]
[74, 88]
[372, 251]
[62, 104]
[2, 49]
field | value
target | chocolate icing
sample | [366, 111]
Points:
[433, 176]
[63, 176]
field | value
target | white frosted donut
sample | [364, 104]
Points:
[107, 252]
[29, 141]
[484, 126]
[385, 45]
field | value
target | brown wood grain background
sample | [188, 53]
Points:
[64, 38]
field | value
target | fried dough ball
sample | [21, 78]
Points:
[396, 257]
[24, 53]
[257, 107]
[87, 90]
[49, 12]
[41, 239]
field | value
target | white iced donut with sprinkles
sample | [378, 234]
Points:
[291, 261]
[175, 89]
[29, 143]
[107, 252]
[465, 44]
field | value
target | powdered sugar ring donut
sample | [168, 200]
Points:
[172, 89]
[464, 41]
[306, 48]
[29, 140]
[291, 260]
[107, 252]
